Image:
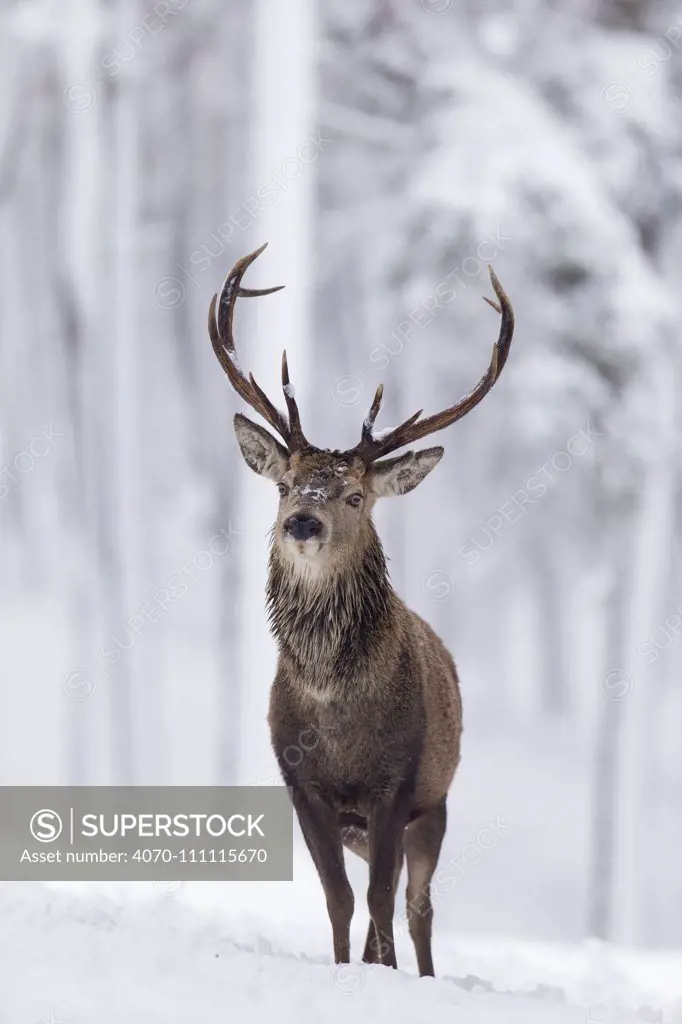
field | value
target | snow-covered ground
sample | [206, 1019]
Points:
[255, 952]
[129, 953]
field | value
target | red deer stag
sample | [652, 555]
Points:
[365, 692]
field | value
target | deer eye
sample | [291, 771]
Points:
[355, 500]
[283, 490]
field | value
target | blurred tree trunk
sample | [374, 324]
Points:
[654, 543]
[640, 542]
[615, 689]
[125, 518]
[548, 580]
[283, 121]
[238, 45]
[75, 280]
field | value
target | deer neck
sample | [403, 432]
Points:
[332, 628]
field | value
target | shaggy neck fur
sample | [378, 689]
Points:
[330, 626]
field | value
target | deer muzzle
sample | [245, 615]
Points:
[302, 527]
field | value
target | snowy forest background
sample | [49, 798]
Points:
[387, 150]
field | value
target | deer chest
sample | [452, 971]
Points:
[352, 751]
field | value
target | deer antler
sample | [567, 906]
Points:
[371, 448]
[222, 339]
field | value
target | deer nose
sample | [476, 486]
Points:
[302, 527]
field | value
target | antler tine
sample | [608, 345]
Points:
[298, 439]
[220, 320]
[371, 448]
[251, 293]
[370, 419]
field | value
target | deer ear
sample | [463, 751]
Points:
[403, 474]
[261, 451]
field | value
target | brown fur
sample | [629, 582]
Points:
[358, 667]
[365, 710]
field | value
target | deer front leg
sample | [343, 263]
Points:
[385, 828]
[373, 943]
[322, 834]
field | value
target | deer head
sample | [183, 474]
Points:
[326, 497]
